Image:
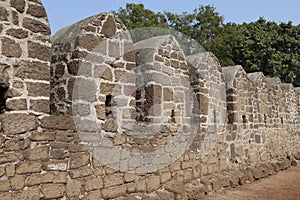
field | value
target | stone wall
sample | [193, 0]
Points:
[25, 57]
[128, 120]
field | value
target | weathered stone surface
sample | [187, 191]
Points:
[30, 193]
[165, 195]
[18, 4]
[153, 183]
[10, 170]
[10, 157]
[89, 42]
[73, 188]
[4, 14]
[5, 186]
[95, 194]
[114, 192]
[4, 78]
[25, 123]
[37, 153]
[175, 187]
[51, 191]
[16, 104]
[17, 33]
[40, 106]
[42, 136]
[36, 11]
[60, 122]
[36, 26]
[79, 160]
[28, 167]
[38, 89]
[109, 27]
[113, 180]
[93, 183]
[32, 70]
[13, 145]
[36, 50]
[17, 182]
[10, 48]
[81, 172]
[55, 165]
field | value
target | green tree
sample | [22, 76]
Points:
[203, 25]
[268, 47]
[136, 16]
[271, 48]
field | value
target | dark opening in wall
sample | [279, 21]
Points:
[281, 118]
[3, 91]
[108, 100]
[173, 116]
[265, 118]
[244, 119]
[108, 104]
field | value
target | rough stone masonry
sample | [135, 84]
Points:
[59, 94]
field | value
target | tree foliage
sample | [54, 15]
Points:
[263, 46]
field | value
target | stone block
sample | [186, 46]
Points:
[24, 123]
[36, 50]
[38, 89]
[73, 188]
[153, 183]
[4, 14]
[37, 153]
[114, 192]
[9, 170]
[16, 104]
[165, 195]
[79, 159]
[18, 4]
[93, 183]
[5, 186]
[28, 167]
[84, 90]
[2, 171]
[81, 109]
[13, 145]
[88, 42]
[10, 48]
[10, 157]
[175, 186]
[91, 195]
[40, 106]
[113, 180]
[60, 122]
[55, 165]
[42, 136]
[32, 193]
[36, 26]
[33, 179]
[17, 33]
[17, 182]
[36, 11]
[32, 70]
[73, 148]
[109, 27]
[4, 77]
[51, 191]
[81, 172]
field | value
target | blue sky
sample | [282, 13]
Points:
[65, 12]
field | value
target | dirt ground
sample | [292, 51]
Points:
[283, 186]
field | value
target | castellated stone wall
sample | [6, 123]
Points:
[91, 115]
